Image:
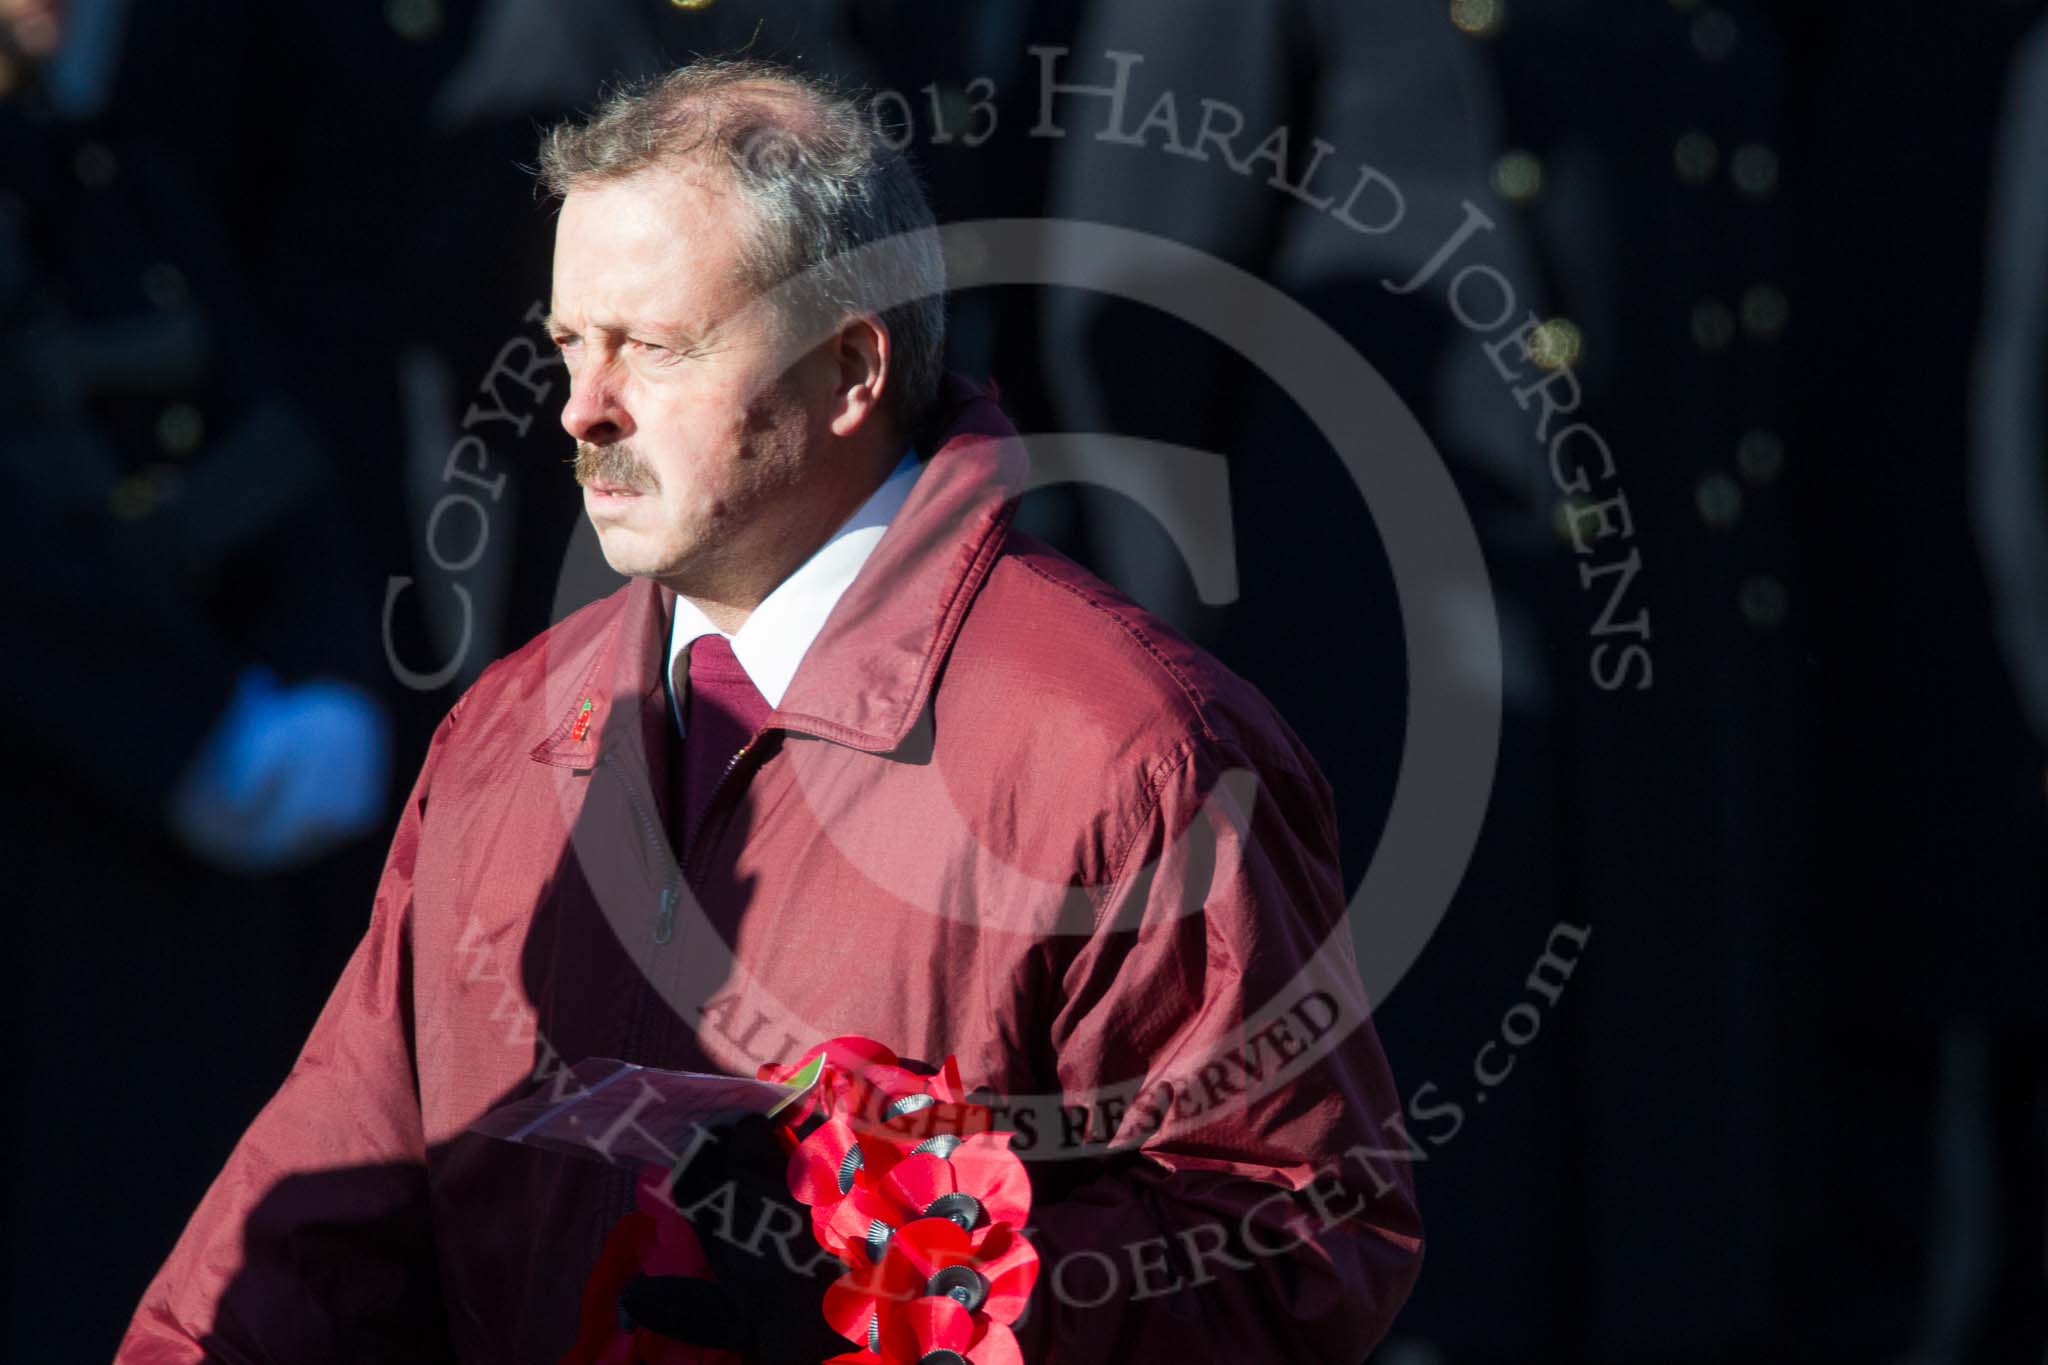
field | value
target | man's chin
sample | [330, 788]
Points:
[629, 554]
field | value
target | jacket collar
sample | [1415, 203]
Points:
[781, 630]
[869, 674]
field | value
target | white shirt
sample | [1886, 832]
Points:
[773, 641]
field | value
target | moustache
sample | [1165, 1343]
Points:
[615, 466]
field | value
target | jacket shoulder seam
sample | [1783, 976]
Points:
[1197, 699]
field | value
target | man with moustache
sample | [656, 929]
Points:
[846, 755]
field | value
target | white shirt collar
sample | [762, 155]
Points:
[773, 640]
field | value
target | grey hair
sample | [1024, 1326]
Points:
[822, 180]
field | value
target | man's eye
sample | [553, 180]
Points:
[656, 352]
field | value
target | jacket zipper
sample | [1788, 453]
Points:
[711, 807]
[704, 816]
[673, 873]
[657, 844]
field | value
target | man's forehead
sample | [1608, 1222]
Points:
[663, 240]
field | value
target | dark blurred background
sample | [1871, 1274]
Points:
[284, 475]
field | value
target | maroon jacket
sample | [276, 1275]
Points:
[1001, 813]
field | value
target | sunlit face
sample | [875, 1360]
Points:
[693, 436]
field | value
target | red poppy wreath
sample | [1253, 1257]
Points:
[908, 1186]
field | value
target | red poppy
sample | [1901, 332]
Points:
[910, 1109]
[989, 1273]
[980, 1183]
[923, 1326]
[824, 1164]
[823, 1168]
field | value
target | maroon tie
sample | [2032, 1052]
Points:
[722, 712]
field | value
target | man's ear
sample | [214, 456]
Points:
[860, 353]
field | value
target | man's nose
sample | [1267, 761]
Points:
[596, 412]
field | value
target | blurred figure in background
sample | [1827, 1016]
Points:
[1813, 849]
[191, 670]
[2011, 415]
[1995, 1119]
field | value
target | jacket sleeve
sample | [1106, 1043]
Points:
[1252, 1203]
[313, 1244]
